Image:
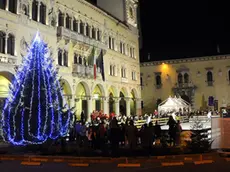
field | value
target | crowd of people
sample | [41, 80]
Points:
[114, 135]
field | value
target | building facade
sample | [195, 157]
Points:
[203, 81]
[72, 29]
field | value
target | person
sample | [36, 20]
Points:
[171, 122]
[82, 116]
[178, 132]
[131, 133]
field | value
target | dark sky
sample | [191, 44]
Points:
[188, 28]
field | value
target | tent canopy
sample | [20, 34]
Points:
[174, 104]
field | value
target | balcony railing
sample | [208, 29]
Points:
[184, 85]
[64, 32]
[82, 71]
[8, 59]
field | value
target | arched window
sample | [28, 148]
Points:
[10, 44]
[114, 70]
[60, 19]
[93, 33]
[75, 25]
[2, 42]
[68, 22]
[80, 60]
[209, 76]
[87, 29]
[13, 6]
[111, 70]
[158, 80]
[81, 27]
[99, 35]
[65, 58]
[42, 13]
[35, 10]
[3, 4]
[141, 80]
[75, 61]
[60, 57]
[186, 78]
[180, 78]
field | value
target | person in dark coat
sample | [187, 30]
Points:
[82, 116]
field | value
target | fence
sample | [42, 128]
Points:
[161, 121]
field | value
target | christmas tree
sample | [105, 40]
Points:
[33, 112]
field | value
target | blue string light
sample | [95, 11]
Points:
[35, 75]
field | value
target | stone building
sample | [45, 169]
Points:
[202, 81]
[72, 29]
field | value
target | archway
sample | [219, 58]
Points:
[112, 96]
[98, 94]
[81, 95]
[133, 103]
[5, 81]
[67, 92]
[122, 103]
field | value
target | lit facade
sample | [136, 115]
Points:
[72, 28]
[203, 81]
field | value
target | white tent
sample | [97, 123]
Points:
[173, 104]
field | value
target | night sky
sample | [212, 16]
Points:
[178, 29]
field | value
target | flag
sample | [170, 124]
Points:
[101, 65]
[92, 62]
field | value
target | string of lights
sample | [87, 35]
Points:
[33, 111]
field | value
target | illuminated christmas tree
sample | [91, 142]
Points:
[33, 112]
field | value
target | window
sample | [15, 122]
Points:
[111, 43]
[65, 58]
[81, 28]
[209, 78]
[111, 70]
[60, 57]
[99, 35]
[114, 70]
[10, 44]
[75, 59]
[180, 79]
[68, 22]
[60, 19]
[123, 72]
[158, 80]
[87, 29]
[132, 52]
[93, 33]
[133, 75]
[80, 60]
[75, 25]
[121, 47]
[35, 10]
[13, 6]
[141, 80]
[3, 4]
[186, 78]
[43, 13]
[2, 42]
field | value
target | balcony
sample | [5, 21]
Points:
[64, 32]
[209, 83]
[8, 59]
[82, 71]
[184, 85]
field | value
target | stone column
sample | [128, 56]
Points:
[71, 23]
[38, 17]
[7, 5]
[84, 32]
[105, 105]
[117, 106]
[89, 110]
[138, 107]
[90, 31]
[30, 10]
[96, 34]
[127, 106]
[64, 22]
[78, 26]
[6, 45]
